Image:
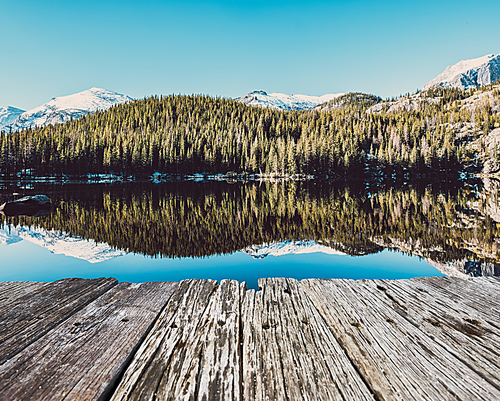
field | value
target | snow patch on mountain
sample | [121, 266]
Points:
[466, 268]
[468, 74]
[287, 248]
[8, 115]
[65, 108]
[414, 102]
[58, 242]
[282, 101]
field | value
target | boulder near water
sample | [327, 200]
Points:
[29, 205]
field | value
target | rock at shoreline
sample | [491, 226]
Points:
[36, 205]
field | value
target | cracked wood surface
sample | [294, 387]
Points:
[456, 327]
[193, 350]
[289, 351]
[395, 357]
[29, 317]
[11, 290]
[420, 339]
[82, 357]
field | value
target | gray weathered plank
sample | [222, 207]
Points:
[454, 326]
[82, 357]
[475, 293]
[289, 351]
[31, 316]
[11, 290]
[193, 350]
[397, 360]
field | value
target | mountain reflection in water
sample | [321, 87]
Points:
[457, 231]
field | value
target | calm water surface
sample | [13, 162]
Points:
[244, 231]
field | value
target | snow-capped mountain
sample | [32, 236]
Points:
[62, 109]
[468, 74]
[288, 247]
[60, 243]
[8, 115]
[282, 101]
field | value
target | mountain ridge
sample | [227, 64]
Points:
[8, 115]
[282, 101]
[64, 108]
[467, 74]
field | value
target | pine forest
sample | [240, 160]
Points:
[202, 134]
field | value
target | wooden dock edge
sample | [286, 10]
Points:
[435, 338]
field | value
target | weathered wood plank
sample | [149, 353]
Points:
[82, 357]
[12, 290]
[457, 328]
[219, 375]
[31, 316]
[425, 339]
[193, 350]
[289, 351]
[397, 360]
[474, 293]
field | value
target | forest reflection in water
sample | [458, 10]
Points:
[456, 229]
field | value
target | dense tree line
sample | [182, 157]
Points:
[187, 134]
[201, 220]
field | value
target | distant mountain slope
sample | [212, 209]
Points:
[281, 101]
[414, 102]
[62, 109]
[468, 74]
[8, 115]
[356, 99]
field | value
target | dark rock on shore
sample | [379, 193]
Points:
[36, 205]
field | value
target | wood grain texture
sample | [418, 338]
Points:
[459, 329]
[396, 359]
[420, 339]
[12, 290]
[288, 350]
[193, 350]
[82, 357]
[31, 316]
[480, 294]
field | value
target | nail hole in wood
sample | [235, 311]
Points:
[435, 323]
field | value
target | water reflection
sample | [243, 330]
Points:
[457, 230]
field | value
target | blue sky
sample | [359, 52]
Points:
[229, 48]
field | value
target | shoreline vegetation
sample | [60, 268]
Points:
[442, 134]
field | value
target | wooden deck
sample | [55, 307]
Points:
[421, 339]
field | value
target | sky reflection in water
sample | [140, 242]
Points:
[29, 262]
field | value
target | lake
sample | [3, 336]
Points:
[247, 230]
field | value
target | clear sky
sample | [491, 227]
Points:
[229, 48]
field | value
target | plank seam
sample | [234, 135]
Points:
[112, 386]
[198, 374]
[374, 394]
[81, 293]
[240, 341]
